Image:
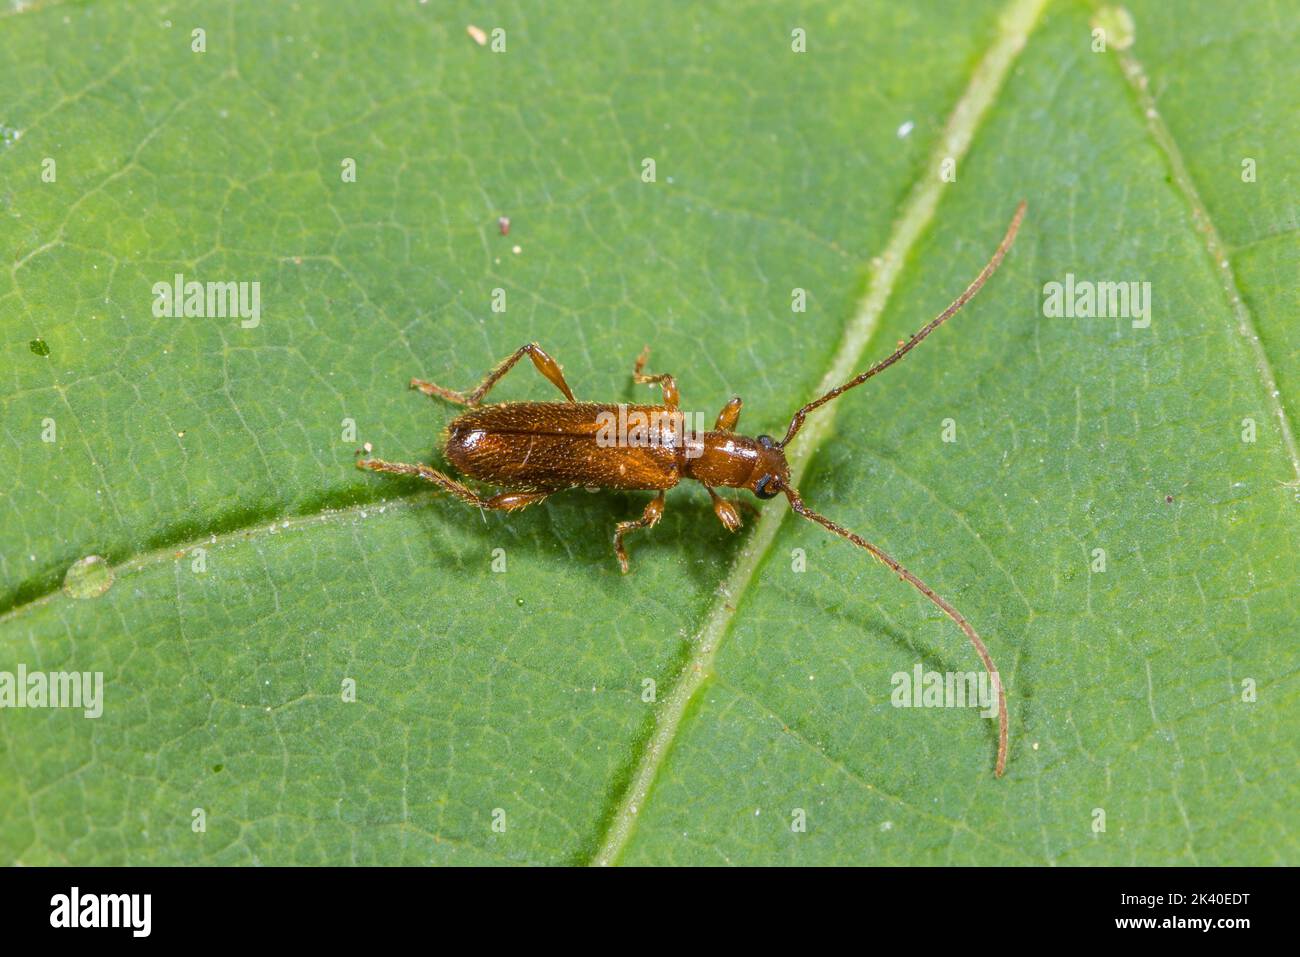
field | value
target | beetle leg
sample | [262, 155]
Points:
[504, 501]
[428, 473]
[544, 363]
[667, 382]
[725, 510]
[514, 501]
[729, 416]
[654, 511]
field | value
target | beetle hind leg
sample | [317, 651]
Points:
[654, 511]
[502, 502]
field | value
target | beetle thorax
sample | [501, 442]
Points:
[728, 460]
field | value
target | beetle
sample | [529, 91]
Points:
[534, 449]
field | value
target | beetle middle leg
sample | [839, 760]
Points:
[544, 363]
[654, 511]
[667, 382]
[502, 501]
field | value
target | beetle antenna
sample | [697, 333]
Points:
[797, 504]
[797, 422]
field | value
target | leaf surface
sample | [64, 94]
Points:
[256, 572]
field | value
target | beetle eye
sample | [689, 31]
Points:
[767, 487]
[765, 441]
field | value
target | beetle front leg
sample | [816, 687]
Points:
[729, 416]
[654, 511]
[725, 510]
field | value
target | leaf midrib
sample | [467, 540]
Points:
[1218, 251]
[1015, 24]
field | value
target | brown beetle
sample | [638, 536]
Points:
[535, 449]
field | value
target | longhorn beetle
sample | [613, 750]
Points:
[535, 449]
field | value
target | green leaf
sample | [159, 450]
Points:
[251, 576]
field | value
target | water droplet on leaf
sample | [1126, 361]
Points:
[88, 577]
